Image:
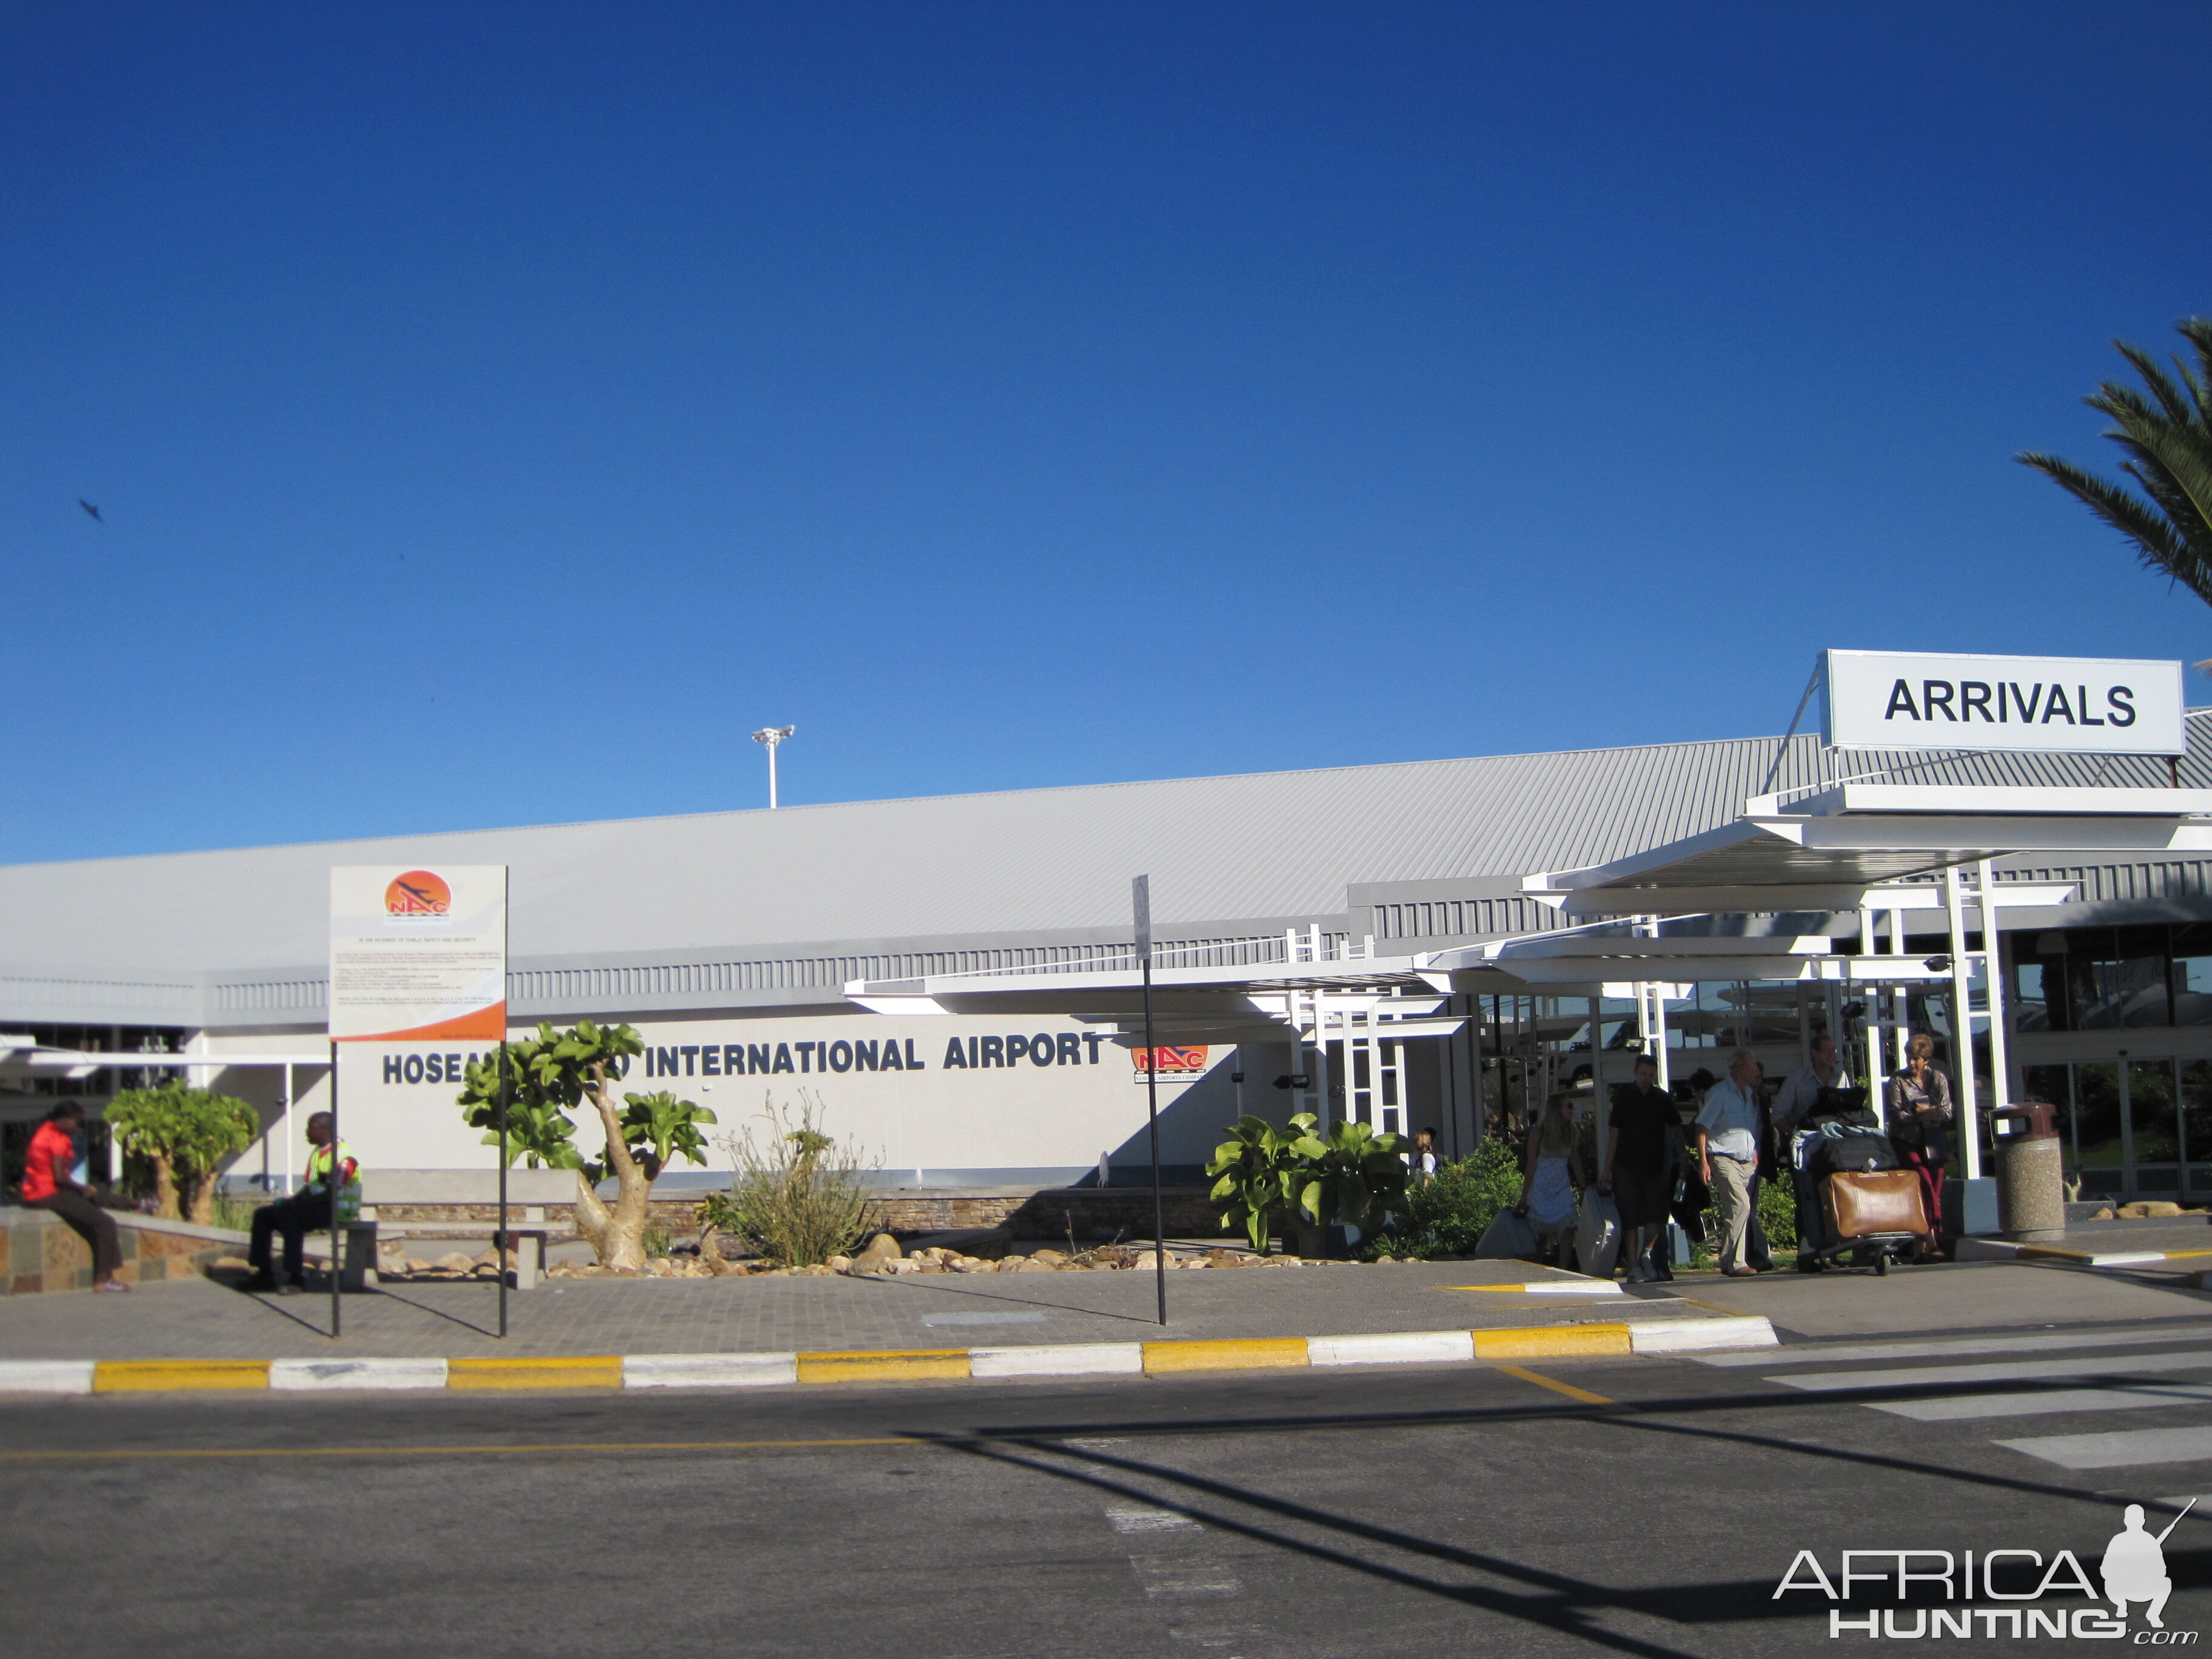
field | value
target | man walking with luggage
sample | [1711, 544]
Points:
[1728, 1132]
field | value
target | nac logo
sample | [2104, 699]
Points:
[418, 893]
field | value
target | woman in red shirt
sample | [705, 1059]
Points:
[47, 1186]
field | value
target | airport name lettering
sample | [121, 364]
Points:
[1959, 702]
[766, 1059]
[427, 1068]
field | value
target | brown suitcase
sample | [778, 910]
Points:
[1884, 1201]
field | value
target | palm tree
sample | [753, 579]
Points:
[2168, 437]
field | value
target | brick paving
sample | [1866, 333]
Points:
[200, 1319]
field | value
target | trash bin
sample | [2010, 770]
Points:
[2030, 1182]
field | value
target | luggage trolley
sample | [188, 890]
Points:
[1854, 1198]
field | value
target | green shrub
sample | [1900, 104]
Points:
[798, 1194]
[1447, 1215]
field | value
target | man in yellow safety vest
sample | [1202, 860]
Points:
[307, 1210]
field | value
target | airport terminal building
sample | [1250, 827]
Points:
[734, 943]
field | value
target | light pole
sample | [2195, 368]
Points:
[772, 735]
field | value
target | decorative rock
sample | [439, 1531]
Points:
[1050, 1258]
[880, 1249]
[840, 1264]
[2105, 1214]
[237, 1261]
[454, 1262]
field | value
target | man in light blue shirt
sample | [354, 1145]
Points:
[1728, 1130]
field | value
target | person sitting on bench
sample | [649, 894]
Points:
[50, 1183]
[303, 1213]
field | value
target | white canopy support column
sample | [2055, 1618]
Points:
[1993, 973]
[1962, 1024]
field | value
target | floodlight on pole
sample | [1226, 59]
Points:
[772, 735]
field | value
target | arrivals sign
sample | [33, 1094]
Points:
[1931, 700]
[418, 953]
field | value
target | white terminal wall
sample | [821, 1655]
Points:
[1024, 1119]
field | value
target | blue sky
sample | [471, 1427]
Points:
[499, 411]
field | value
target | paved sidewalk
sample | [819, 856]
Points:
[198, 1319]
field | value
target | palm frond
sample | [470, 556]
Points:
[2160, 544]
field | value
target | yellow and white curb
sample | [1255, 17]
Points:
[743, 1370]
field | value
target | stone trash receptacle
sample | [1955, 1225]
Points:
[2031, 1181]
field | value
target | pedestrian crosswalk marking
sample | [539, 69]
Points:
[2194, 1332]
[1928, 1377]
[1964, 1408]
[2116, 1451]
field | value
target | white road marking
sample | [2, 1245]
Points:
[2196, 1359]
[2041, 1344]
[1955, 1408]
[2114, 1451]
[1135, 1520]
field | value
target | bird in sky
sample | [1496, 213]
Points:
[90, 508]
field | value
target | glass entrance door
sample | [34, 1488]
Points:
[2154, 1122]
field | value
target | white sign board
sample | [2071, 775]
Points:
[418, 953]
[1933, 700]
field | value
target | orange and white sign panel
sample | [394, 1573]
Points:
[418, 951]
[1181, 1062]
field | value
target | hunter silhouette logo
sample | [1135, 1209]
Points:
[418, 893]
[2134, 1568]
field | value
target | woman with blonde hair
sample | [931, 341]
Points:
[1551, 1171]
[1919, 1123]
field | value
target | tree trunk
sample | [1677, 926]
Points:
[165, 1188]
[616, 1235]
[200, 1210]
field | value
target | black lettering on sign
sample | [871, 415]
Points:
[1930, 701]
[2057, 706]
[733, 1059]
[453, 1069]
[782, 1058]
[891, 1054]
[1900, 696]
[1016, 1047]
[1973, 694]
[954, 1056]
[710, 1060]
[412, 1071]
[1094, 1040]
[2082, 702]
[839, 1054]
[1042, 1053]
[864, 1055]
[994, 1051]
[665, 1061]
[2027, 705]
[434, 1068]
[2124, 710]
[913, 1063]
[1069, 1048]
[690, 1059]
[757, 1058]
[392, 1068]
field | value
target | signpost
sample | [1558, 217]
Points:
[417, 954]
[1140, 894]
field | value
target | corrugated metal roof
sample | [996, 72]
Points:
[1253, 849]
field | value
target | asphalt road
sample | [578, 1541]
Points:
[1393, 1511]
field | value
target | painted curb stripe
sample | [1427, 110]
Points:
[1391, 1348]
[913, 1365]
[580, 1371]
[727, 1370]
[308, 1373]
[1540, 1287]
[1069, 1359]
[1701, 1335]
[1552, 1342]
[143, 1375]
[1234, 1354]
[46, 1376]
[708, 1371]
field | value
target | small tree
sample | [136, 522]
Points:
[1350, 1179]
[553, 1074]
[184, 1133]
